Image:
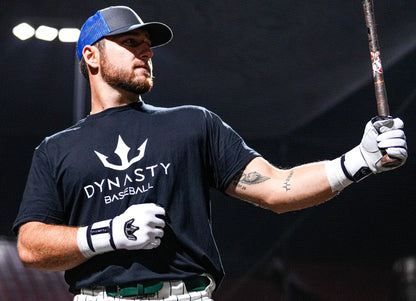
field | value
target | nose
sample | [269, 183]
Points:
[146, 53]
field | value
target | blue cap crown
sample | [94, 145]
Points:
[119, 19]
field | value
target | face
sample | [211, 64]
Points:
[125, 62]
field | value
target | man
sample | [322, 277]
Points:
[120, 201]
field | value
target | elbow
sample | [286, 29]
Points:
[26, 248]
[30, 258]
[27, 258]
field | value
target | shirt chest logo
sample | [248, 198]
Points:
[122, 151]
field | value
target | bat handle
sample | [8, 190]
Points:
[374, 47]
[386, 160]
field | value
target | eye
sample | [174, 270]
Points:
[130, 42]
[134, 42]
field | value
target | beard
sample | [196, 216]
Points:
[118, 77]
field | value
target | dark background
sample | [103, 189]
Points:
[293, 78]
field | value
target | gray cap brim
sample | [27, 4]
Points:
[159, 33]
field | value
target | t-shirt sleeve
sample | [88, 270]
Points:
[229, 154]
[40, 199]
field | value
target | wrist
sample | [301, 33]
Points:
[95, 238]
[354, 165]
[349, 168]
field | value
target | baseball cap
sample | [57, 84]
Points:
[119, 19]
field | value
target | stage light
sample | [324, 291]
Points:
[23, 31]
[69, 35]
[46, 33]
[66, 35]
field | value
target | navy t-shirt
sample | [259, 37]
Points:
[137, 154]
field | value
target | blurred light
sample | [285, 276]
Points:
[46, 33]
[23, 31]
[69, 35]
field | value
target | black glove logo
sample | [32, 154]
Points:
[129, 229]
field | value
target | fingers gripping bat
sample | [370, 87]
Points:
[378, 76]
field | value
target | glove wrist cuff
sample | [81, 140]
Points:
[336, 176]
[95, 239]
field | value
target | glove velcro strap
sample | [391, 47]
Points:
[354, 165]
[111, 236]
[344, 169]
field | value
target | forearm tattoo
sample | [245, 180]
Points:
[286, 184]
[241, 180]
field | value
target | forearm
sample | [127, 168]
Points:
[49, 247]
[282, 190]
[301, 187]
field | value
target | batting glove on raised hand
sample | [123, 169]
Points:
[381, 137]
[140, 227]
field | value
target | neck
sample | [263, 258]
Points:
[103, 97]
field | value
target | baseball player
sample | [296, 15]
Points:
[120, 201]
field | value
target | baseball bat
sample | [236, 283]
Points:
[378, 76]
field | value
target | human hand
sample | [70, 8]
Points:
[385, 136]
[139, 227]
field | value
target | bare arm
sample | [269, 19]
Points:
[282, 190]
[56, 248]
[311, 184]
[49, 247]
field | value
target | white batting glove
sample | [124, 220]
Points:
[140, 227]
[380, 137]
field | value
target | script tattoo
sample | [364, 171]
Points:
[286, 185]
[242, 179]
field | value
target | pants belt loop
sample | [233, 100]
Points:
[140, 289]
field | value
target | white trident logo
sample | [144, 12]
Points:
[122, 151]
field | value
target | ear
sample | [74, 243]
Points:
[91, 56]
